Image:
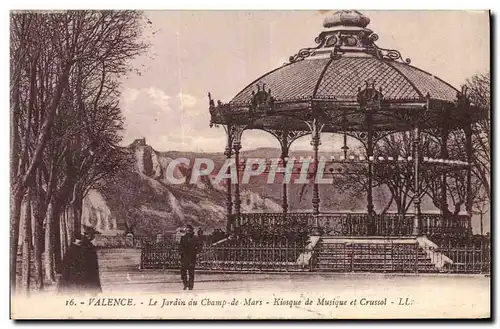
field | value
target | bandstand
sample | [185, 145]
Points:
[349, 85]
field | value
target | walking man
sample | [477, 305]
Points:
[189, 247]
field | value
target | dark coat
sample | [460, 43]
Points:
[80, 270]
[189, 247]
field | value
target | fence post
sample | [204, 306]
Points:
[416, 257]
[481, 257]
[450, 268]
[392, 256]
[352, 257]
[385, 257]
[466, 258]
[474, 257]
[141, 262]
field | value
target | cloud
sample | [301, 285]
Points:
[159, 97]
[168, 122]
[130, 95]
[187, 100]
[190, 106]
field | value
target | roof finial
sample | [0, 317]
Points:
[346, 18]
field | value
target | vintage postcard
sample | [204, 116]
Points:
[329, 164]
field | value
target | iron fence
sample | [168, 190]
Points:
[463, 259]
[156, 255]
[284, 255]
[274, 255]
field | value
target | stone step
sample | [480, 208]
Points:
[360, 260]
[388, 254]
[386, 270]
[372, 247]
[375, 264]
[372, 254]
[367, 240]
[369, 252]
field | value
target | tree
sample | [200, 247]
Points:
[66, 69]
[479, 92]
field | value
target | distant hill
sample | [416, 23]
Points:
[142, 197]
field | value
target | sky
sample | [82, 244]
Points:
[196, 52]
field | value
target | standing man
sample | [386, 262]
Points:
[80, 269]
[189, 247]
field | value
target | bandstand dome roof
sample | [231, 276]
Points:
[341, 77]
[344, 73]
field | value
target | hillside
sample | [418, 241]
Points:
[144, 198]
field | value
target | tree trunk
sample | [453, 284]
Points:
[57, 238]
[27, 238]
[50, 232]
[40, 211]
[63, 233]
[15, 219]
[43, 136]
[76, 208]
[69, 224]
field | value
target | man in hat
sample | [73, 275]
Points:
[80, 269]
[189, 247]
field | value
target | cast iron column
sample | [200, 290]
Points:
[444, 155]
[229, 200]
[369, 194]
[416, 160]
[469, 150]
[237, 200]
[284, 155]
[315, 142]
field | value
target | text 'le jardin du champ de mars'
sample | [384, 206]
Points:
[246, 302]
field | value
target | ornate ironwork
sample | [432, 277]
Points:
[231, 255]
[217, 112]
[303, 53]
[262, 99]
[390, 54]
[348, 34]
[362, 136]
[277, 242]
[370, 98]
[286, 137]
[462, 100]
[348, 224]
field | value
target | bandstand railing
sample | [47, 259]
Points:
[350, 224]
[449, 225]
